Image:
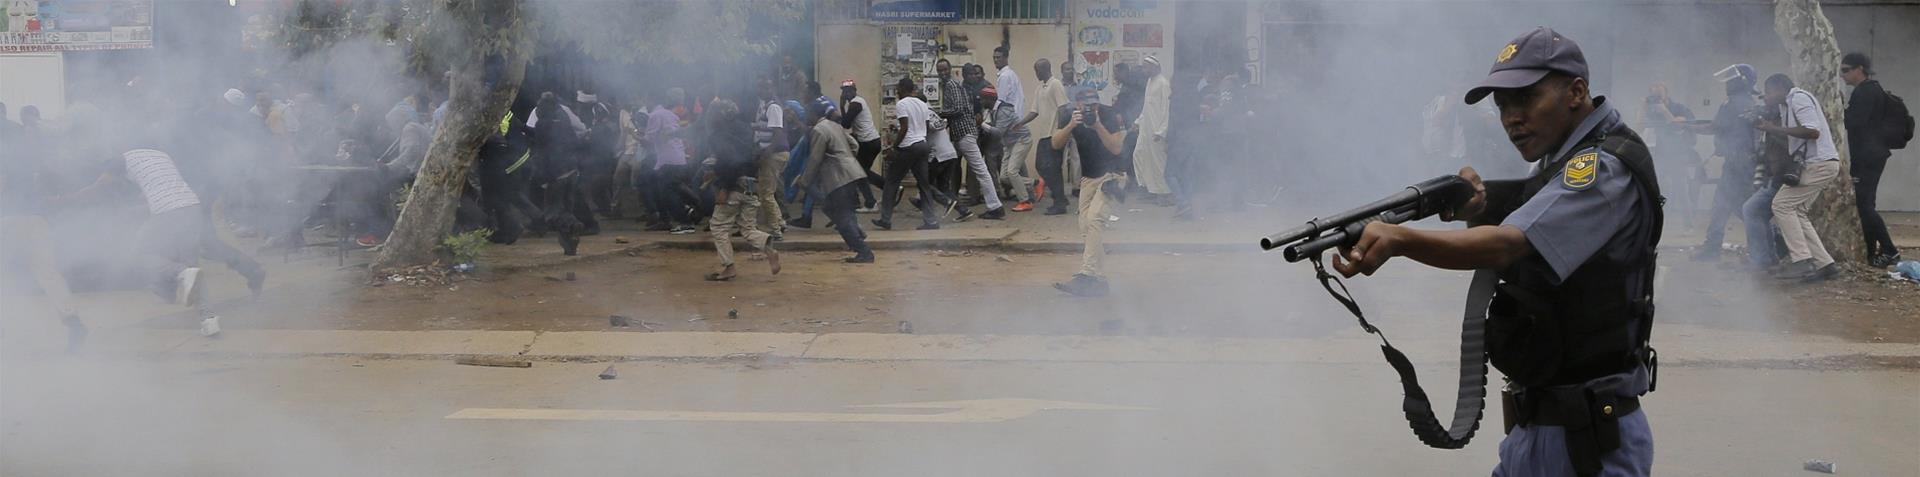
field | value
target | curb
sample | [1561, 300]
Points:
[640, 346]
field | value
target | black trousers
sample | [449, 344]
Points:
[840, 204]
[1052, 164]
[866, 154]
[662, 186]
[908, 160]
[1866, 188]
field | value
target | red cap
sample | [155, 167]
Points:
[846, 83]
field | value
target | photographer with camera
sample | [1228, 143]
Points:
[1812, 163]
[1100, 136]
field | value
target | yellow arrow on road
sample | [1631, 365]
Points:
[958, 412]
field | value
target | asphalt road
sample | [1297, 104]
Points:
[351, 416]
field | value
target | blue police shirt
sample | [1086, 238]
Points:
[1585, 209]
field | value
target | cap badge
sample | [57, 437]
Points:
[1507, 53]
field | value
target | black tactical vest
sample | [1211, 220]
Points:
[1597, 321]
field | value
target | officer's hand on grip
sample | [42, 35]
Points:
[1474, 206]
[1378, 242]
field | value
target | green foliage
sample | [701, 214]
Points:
[465, 247]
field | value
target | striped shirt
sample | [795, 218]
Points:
[159, 181]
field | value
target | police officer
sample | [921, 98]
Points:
[1573, 246]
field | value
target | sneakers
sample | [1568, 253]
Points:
[965, 215]
[803, 223]
[1884, 261]
[1023, 206]
[1083, 285]
[858, 259]
[867, 210]
[187, 287]
[998, 214]
[366, 240]
[1823, 274]
[882, 224]
[682, 230]
[1056, 210]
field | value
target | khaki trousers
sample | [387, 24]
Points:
[1790, 213]
[772, 218]
[1094, 202]
[736, 213]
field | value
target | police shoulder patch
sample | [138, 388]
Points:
[1581, 172]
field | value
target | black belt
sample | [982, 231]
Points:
[1591, 419]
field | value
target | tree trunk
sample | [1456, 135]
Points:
[1816, 68]
[491, 32]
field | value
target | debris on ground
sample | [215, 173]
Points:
[1003, 258]
[696, 318]
[432, 274]
[620, 240]
[210, 326]
[906, 327]
[733, 314]
[493, 361]
[618, 321]
[570, 276]
[1820, 466]
[552, 278]
[462, 268]
[609, 373]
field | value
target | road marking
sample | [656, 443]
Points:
[958, 412]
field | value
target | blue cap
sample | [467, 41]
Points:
[1527, 59]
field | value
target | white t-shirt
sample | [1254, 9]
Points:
[159, 181]
[863, 129]
[917, 114]
[1010, 91]
[1803, 111]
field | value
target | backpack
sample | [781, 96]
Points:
[1899, 122]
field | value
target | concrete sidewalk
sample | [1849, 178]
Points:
[1679, 345]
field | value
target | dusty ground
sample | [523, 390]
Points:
[1249, 295]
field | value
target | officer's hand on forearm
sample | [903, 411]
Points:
[1474, 206]
[1378, 242]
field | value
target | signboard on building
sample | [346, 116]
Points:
[1114, 32]
[75, 25]
[915, 10]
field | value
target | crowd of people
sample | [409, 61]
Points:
[1778, 157]
[756, 163]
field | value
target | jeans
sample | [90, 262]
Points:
[1728, 195]
[840, 205]
[1757, 214]
[911, 159]
[1866, 188]
[175, 240]
[969, 148]
[1542, 451]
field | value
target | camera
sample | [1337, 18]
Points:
[1754, 114]
[1088, 114]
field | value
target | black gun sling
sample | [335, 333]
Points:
[1471, 401]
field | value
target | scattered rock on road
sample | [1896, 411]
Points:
[1820, 466]
[609, 373]
[906, 327]
[1003, 258]
[618, 321]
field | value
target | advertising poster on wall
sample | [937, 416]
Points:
[75, 25]
[1112, 32]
